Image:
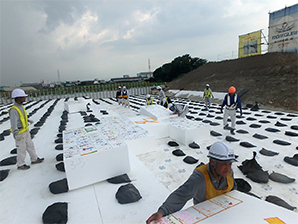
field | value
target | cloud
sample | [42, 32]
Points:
[109, 38]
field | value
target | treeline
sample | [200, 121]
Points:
[179, 66]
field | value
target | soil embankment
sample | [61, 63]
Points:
[271, 79]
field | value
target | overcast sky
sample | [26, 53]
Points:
[110, 38]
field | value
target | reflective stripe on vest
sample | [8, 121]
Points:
[23, 119]
[207, 92]
[151, 101]
[211, 192]
[229, 105]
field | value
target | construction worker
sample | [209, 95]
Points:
[125, 97]
[206, 181]
[166, 101]
[179, 109]
[207, 95]
[20, 129]
[149, 100]
[161, 95]
[119, 96]
[231, 102]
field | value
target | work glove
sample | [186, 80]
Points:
[30, 121]
[17, 137]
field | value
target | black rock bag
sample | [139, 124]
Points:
[127, 194]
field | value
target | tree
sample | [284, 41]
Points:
[179, 66]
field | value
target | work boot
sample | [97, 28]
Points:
[38, 160]
[226, 127]
[232, 131]
[24, 167]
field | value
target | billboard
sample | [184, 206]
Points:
[249, 44]
[283, 30]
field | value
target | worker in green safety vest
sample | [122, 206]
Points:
[207, 96]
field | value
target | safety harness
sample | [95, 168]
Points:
[232, 106]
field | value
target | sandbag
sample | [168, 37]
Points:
[194, 145]
[190, 160]
[59, 147]
[56, 213]
[266, 152]
[278, 201]
[124, 178]
[127, 194]
[59, 140]
[3, 174]
[292, 160]
[60, 166]
[250, 165]
[258, 136]
[231, 139]
[242, 185]
[13, 151]
[281, 178]
[259, 176]
[58, 187]
[59, 157]
[247, 144]
[9, 161]
[178, 152]
[173, 143]
[215, 134]
[241, 131]
[281, 142]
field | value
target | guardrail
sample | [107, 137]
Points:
[95, 92]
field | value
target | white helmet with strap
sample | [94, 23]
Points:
[18, 93]
[222, 152]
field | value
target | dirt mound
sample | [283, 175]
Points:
[270, 78]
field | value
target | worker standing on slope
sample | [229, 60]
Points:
[207, 95]
[161, 96]
[231, 103]
[20, 130]
[206, 181]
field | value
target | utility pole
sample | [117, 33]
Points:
[149, 65]
[58, 76]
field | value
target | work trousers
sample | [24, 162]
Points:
[119, 100]
[232, 115]
[25, 144]
[207, 102]
[125, 102]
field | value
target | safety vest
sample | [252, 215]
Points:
[149, 102]
[124, 94]
[23, 119]
[233, 105]
[207, 92]
[119, 94]
[211, 192]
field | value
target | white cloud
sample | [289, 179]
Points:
[104, 39]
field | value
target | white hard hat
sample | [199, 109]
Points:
[119, 87]
[222, 151]
[124, 87]
[18, 93]
[207, 84]
[158, 87]
[147, 96]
